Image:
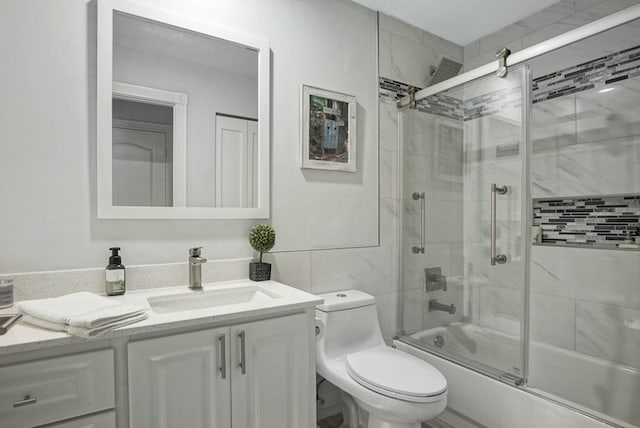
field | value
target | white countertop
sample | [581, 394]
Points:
[26, 337]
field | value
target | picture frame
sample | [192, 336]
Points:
[328, 130]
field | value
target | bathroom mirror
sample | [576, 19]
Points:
[183, 117]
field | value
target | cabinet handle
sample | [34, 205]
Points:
[223, 356]
[26, 401]
[243, 362]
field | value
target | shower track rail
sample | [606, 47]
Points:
[580, 33]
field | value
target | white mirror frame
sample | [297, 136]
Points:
[106, 89]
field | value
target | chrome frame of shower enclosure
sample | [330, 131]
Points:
[405, 251]
[599, 26]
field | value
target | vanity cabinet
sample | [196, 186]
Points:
[54, 389]
[102, 420]
[256, 374]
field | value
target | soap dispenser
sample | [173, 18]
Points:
[115, 278]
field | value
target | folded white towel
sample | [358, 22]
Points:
[87, 333]
[83, 310]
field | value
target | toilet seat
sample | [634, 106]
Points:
[396, 374]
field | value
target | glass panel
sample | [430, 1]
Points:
[585, 180]
[456, 144]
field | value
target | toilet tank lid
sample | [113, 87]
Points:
[348, 299]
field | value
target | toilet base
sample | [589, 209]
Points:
[357, 417]
[374, 422]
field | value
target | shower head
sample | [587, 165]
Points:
[446, 70]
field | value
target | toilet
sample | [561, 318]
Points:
[394, 389]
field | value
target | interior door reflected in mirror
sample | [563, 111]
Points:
[187, 117]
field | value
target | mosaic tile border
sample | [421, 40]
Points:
[605, 221]
[444, 105]
[593, 74]
[392, 89]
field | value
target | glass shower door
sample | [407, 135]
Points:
[464, 223]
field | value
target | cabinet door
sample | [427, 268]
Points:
[273, 388]
[180, 381]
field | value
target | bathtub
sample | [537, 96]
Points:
[564, 389]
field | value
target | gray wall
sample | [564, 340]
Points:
[47, 159]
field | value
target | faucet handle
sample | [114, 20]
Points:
[195, 252]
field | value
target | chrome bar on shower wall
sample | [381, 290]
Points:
[580, 33]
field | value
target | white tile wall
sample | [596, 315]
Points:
[367, 269]
[40, 285]
[407, 52]
[500, 309]
[444, 221]
[609, 332]
[595, 275]
[291, 268]
[553, 320]
[406, 55]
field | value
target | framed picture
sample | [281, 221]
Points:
[328, 130]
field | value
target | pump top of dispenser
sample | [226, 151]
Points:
[115, 258]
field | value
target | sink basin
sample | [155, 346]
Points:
[193, 300]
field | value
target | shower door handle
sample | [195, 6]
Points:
[420, 196]
[496, 258]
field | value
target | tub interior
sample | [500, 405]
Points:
[592, 384]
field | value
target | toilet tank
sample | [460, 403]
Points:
[347, 323]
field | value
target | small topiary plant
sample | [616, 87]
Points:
[262, 238]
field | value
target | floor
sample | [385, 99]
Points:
[334, 421]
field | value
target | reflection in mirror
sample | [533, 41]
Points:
[184, 117]
[142, 154]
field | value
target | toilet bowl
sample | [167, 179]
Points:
[394, 389]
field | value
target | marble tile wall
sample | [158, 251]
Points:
[587, 300]
[587, 144]
[563, 16]
[584, 144]
[407, 52]
[430, 169]
[406, 55]
[597, 73]
[492, 154]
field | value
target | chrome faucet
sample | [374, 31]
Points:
[195, 268]
[434, 305]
